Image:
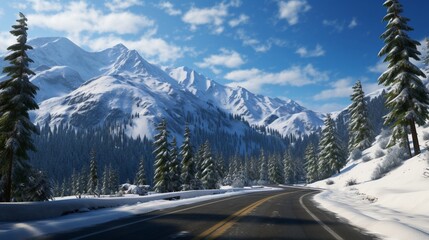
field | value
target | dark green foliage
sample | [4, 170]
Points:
[331, 157]
[141, 175]
[263, 173]
[360, 132]
[209, 176]
[16, 99]
[311, 164]
[407, 98]
[93, 175]
[188, 163]
[162, 181]
[275, 170]
[288, 168]
[174, 167]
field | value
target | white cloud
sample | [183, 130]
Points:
[379, 67]
[78, 17]
[153, 49]
[118, 5]
[19, 6]
[213, 17]
[341, 88]
[257, 45]
[353, 23]
[45, 5]
[254, 79]
[227, 58]
[291, 10]
[317, 52]
[339, 27]
[242, 19]
[6, 39]
[168, 7]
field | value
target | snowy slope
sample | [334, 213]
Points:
[285, 116]
[394, 206]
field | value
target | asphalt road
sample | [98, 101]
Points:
[286, 214]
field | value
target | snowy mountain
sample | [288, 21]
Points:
[285, 116]
[86, 89]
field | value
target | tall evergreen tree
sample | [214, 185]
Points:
[105, 188]
[93, 176]
[263, 171]
[289, 173]
[188, 164]
[275, 170]
[162, 159]
[407, 97]
[360, 133]
[311, 165]
[174, 167]
[208, 169]
[331, 158]
[141, 175]
[16, 99]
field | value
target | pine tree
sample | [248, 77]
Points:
[141, 175]
[75, 183]
[289, 173]
[16, 99]
[331, 158]
[263, 172]
[208, 169]
[93, 176]
[407, 97]
[360, 133]
[174, 167]
[162, 159]
[311, 165]
[105, 188]
[275, 170]
[83, 180]
[113, 182]
[188, 164]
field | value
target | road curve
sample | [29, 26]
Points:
[286, 214]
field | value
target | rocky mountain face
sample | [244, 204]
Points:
[117, 86]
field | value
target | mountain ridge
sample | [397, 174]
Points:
[82, 88]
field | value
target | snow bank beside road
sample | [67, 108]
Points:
[43, 210]
[24, 230]
[393, 207]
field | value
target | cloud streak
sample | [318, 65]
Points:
[227, 58]
[254, 79]
[291, 10]
[318, 51]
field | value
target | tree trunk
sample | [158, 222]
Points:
[8, 182]
[414, 136]
[407, 141]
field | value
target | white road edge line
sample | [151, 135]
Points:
[154, 217]
[328, 229]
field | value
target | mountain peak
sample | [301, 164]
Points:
[45, 41]
[120, 46]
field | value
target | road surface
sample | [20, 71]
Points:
[286, 214]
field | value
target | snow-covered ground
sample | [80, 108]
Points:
[395, 206]
[85, 217]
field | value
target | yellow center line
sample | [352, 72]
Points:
[221, 227]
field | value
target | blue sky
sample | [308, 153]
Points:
[311, 51]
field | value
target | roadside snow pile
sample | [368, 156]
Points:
[382, 193]
[42, 210]
[31, 229]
